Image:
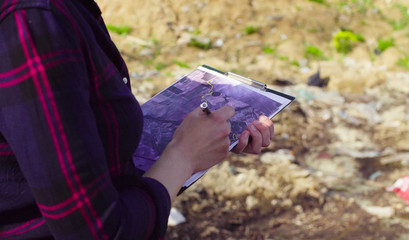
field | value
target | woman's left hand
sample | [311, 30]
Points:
[261, 132]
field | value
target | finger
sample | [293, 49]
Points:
[265, 133]
[256, 139]
[269, 124]
[198, 112]
[224, 113]
[243, 142]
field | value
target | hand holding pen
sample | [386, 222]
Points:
[258, 134]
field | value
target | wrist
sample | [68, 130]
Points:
[178, 156]
[172, 169]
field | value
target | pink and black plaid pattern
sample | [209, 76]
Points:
[68, 128]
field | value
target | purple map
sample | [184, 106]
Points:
[165, 111]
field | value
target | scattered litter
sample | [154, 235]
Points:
[219, 43]
[375, 175]
[380, 212]
[401, 188]
[316, 80]
[304, 70]
[175, 217]
[403, 158]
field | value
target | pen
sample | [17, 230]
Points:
[205, 108]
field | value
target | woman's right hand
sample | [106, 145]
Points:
[200, 142]
[202, 139]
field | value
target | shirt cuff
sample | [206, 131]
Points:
[162, 202]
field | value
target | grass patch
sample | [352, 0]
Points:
[313, 52]
[345, 40]
[385, 44]
[181, 64]
[403, 62]
[169, 74]
[269, 50]
[160, 66]
[122, 30]
[204, 44]
[323, 2]
[196, 32]
[295, 63]
[317, 1]
[284, 58]
[364, 23]
[148, 62]
[359, 6]
[251, 30]
[404, 21]
[313, 30]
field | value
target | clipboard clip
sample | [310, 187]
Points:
[248, 81]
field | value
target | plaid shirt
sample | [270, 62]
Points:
[68, 127]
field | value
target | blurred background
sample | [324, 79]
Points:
[337, 147]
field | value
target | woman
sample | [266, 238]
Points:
[69, 125]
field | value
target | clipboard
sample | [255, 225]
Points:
[164, 112]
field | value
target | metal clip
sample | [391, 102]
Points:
[249, 81]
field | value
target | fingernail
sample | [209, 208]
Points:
[253, 127]
[257, 122]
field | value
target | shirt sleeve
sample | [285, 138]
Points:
[47, 119]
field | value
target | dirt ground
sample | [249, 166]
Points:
[336, 148]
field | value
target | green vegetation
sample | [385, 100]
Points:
[148, 62]
[295, 63]
[196, 31]
[317, 1]
[345, 40]
[202, 44]
[323, 2]
[160, 66]
[363, 5]
[313, 52]
[123, 30]
[313, 30]
[385, 44]
[283, 58]
[404, 21]
[251, 29]
[403, 62]
[181, 64]
[269, 50]
[154, 41]
[360, 6]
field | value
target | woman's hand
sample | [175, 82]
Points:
[200, 142]
[261, 132]
[203, 139]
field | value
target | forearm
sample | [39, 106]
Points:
[172, 169]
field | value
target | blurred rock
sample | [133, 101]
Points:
[283, 156]
[251, 202]
[380, 212]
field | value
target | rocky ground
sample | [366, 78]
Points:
[336, 148]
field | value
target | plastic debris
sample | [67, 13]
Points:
[380, 212]
[375, 175]
[175, 217]
[401, 188]
[316, 80]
